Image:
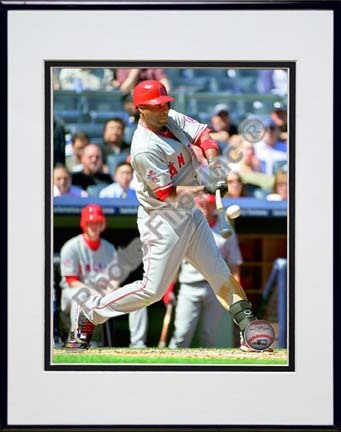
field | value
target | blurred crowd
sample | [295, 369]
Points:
[99, 166]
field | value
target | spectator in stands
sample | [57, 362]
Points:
[273, 131]
[273, 81]
[270, 150]
[83, 79]
[280, 189]
[62, 183]
[113, 136]
[132, 114]
[79, 140]
[246, 153]
[120, 188]
[58, 142]
[280, 118]
[221, 124]
[235, 185]
[128, 78]
[91, 173]
[256, 183]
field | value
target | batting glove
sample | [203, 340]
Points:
[219, 185]
[216, 171]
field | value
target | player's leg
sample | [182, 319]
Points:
[138, 327]
[65, 300]
[70, 306]
[163, 252]
[70, 302]
[187, 312]
[203, 253]
[65, 307]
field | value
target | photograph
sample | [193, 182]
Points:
[171, 215]
[150, 265]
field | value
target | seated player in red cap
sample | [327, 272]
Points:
[84, 262]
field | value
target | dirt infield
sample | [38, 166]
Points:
[188, 353]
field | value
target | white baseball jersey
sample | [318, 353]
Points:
[77, 259]
[160, 162]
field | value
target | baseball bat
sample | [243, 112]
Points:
[224, 225]
[165, 326]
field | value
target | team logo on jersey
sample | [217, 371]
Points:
[151, 175]
[172, 170]
[180, 160]
[67, 262]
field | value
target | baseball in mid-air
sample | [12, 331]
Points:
[233, 211]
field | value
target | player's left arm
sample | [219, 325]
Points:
[208, 145]
[198, 133]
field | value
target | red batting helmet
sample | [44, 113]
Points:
[150, 92]
[91, 213]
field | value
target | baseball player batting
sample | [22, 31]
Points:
[166, 169]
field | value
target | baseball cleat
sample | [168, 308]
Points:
[76, 345]
[246, 348]
[82, 339]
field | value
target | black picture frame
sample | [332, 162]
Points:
[290, 366]
[5, 7]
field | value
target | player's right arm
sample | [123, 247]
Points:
[199, 135]
[156, 176]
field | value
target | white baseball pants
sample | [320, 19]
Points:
[167, 237]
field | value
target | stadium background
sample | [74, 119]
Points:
[262, 226]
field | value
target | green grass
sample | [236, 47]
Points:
[112, 358]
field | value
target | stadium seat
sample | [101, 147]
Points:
[94, 190]
[128, 133]
[103, 101]
[97, 140]
[65, 100]
[70, 116]
[103, 116]
[94, 130]
[113, 160]
[254, 191]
